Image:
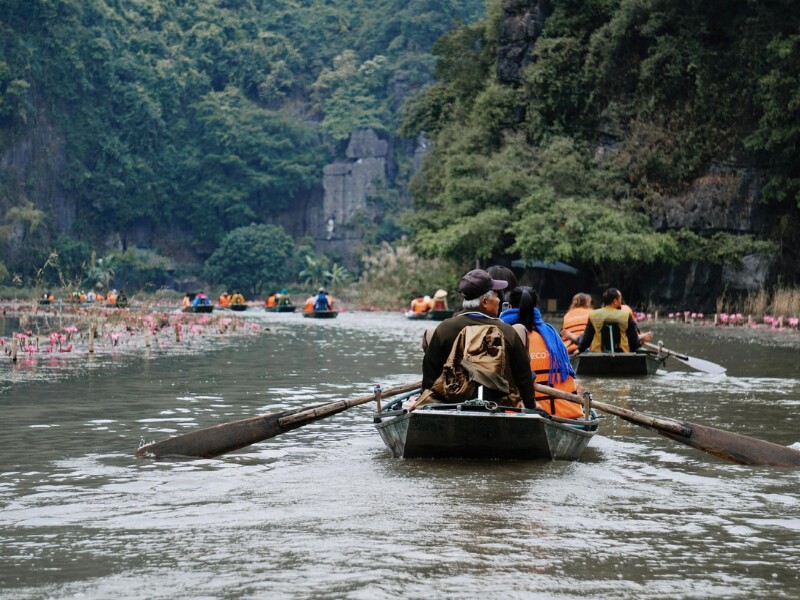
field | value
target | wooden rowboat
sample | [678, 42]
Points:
[321, 314]
[615, 364]
[433, 315]
[479, 429]
[282, 308]
[238, 307]
[441, 315]
[200, 308]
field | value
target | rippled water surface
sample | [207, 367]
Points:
[325, 511]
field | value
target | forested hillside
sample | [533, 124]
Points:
[173, 122]
[628, 137]
[623, 136]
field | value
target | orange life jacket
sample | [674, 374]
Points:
[271, 301]
[419, 306]
[540, 368]
[575, 322]
[309, 307]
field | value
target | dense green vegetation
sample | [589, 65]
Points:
[623, 103]
[192, 119]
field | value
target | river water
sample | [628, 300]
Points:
[326, 512]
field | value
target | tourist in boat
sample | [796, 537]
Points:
[478, 321]
[187, 300]
[309, 306]
[575, 320]
[272, 300]
[224, 299]
[283, 298]
[507, 275]
[322, 301]
[549, 360]
[440, 300]
[111, 299]
[420, 306]
[237, 297]
[200, 300]
[611, 329]
[91, 296]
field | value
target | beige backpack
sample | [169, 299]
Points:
[478, 357]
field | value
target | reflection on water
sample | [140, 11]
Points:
[326, 511]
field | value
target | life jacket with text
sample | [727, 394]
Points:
[610, 330]
[575, 322]
[540, 369]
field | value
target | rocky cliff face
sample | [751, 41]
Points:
[333, 215]
[724, 199]
[33, 166]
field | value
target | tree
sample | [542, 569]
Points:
[251, 257]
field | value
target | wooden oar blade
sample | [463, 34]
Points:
[227, 437]
[706, 366]
[702, 365]
[738, 448]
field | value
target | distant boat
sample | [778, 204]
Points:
[200, 308]
[483, 430]
[282, 308]
[615, 364]
[441, 314]
[238, 307]
[433, 315]
[321, 314]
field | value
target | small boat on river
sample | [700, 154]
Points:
[238, 307]
[282, 308]
[433, 315]
[200, 308]
[321, 314]
[615, 364]
[441, 315]
[481, 429]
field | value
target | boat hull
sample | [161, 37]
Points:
[238, 307]
[321, 314]
[482, 434]
[441, 315]
[616, 364]
[202, 308]
[281, 309]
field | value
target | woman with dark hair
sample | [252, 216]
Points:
[503, 274]
[549, 359]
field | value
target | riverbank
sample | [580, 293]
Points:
[77, 331]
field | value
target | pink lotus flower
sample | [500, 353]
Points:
[793, 322]
[66, 349]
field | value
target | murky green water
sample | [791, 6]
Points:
[325, 511]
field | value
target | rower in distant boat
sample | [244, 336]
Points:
[272, 300]
[224, 299]
[420, 305]
[575, 320]
[611, 329]
[323, 302]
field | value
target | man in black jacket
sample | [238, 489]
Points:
[481, 307]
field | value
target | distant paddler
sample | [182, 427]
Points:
[575, 320]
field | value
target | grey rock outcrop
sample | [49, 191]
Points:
[520, 27]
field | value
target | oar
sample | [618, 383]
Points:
[736, 447]
[696, 363]
[219, 439]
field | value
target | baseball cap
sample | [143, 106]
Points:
[477, 282]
